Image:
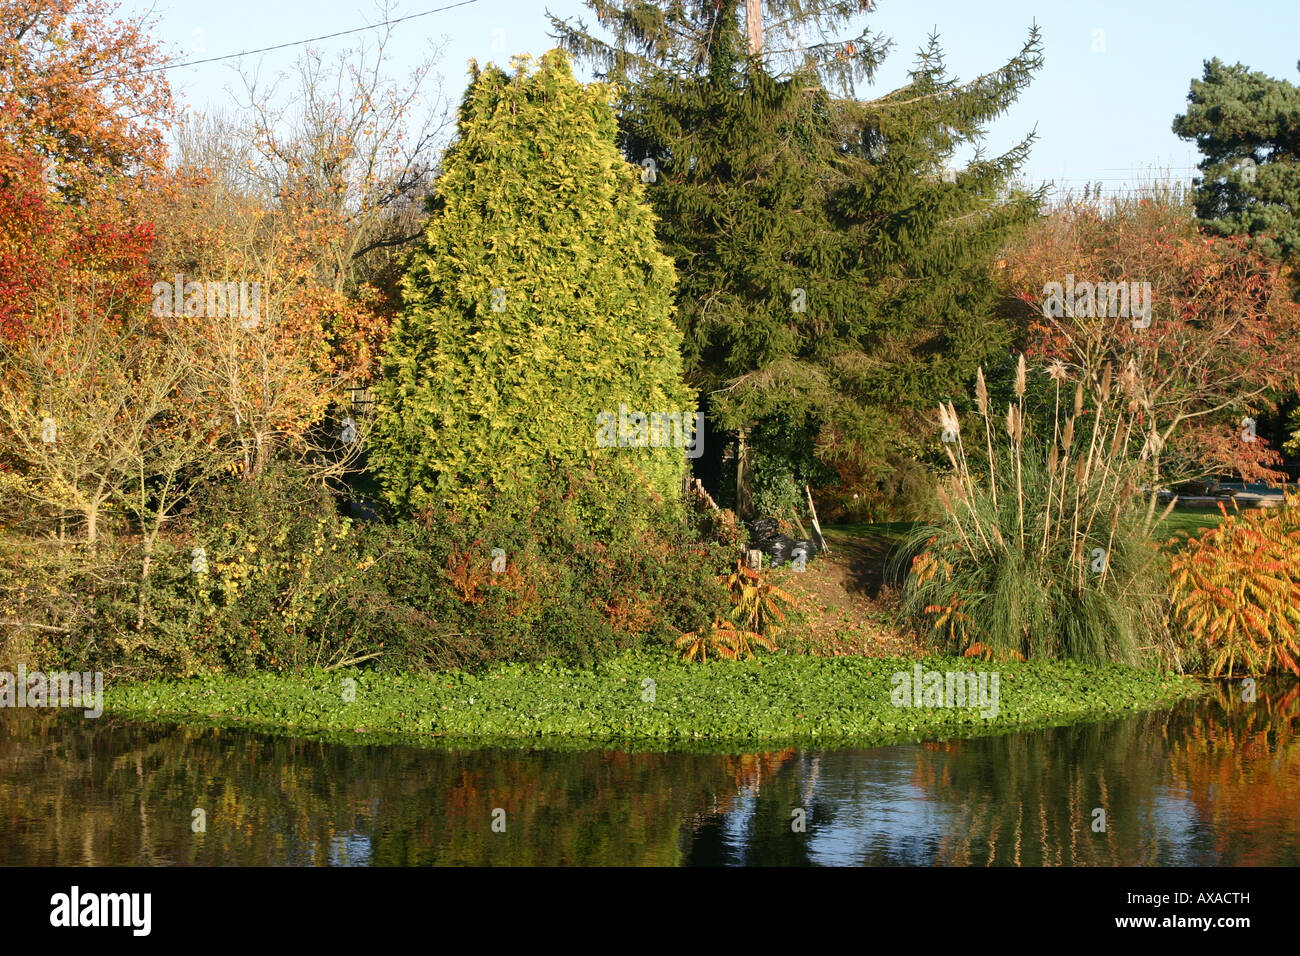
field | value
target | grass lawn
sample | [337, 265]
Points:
[877, 539]
[881, 532]
[1191, 520]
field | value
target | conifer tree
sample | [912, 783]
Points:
[1247, 126]
[537, 302]
[836, 275]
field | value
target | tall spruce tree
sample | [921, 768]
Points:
[537, 301]
[1247, 126]
[836, 276]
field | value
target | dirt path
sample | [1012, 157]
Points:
[850, 607]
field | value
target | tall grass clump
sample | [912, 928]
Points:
[1043, 547]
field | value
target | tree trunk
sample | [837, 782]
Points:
[744, 500]
[754, 25]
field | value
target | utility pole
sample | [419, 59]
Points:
[754, 25]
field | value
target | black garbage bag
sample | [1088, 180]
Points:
[763, 529]
[778, 548]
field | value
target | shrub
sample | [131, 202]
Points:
[278, 587]
[757, 604]
[1235, 592]
[906, 492]
[723, 639]
[281, 565]
[573, 587]
[723, 527]
[757, 615]
[775, 492]
[286, 583]
[47, 603]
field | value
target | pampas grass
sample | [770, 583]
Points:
[1043, 549]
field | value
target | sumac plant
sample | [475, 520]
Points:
[758, 612]
[721, 639]
[1235, 592]
[757, 604]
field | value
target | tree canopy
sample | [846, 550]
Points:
[1247, 126]
[836, 273]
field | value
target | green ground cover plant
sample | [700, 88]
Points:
[639, 695]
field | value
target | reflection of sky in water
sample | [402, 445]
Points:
[1179, 831]
[909, 805]
[736, 825]
[893, 815]
[350, 849]
[877, 811]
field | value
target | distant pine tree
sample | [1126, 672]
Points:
[1247, 126]
[538, 300]
[836, 275]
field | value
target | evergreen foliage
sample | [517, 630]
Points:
[1247, 126]
[831, 274]
[537, 300]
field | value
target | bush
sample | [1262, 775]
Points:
[46, 603]
[272, 589]
[1235, 592]
[722, 527]
[907, 492]
[284, 583]
[276, 588]
[775, 492]
[570, 586]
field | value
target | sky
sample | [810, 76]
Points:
[1116, 72]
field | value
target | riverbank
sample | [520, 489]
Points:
[653, 698]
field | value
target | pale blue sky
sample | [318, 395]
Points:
[1115, 74]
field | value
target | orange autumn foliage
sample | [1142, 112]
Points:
[1222, 337]
[83, 137]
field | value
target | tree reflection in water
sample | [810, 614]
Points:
[1215, 781]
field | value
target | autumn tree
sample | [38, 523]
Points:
[1246, 125]
[75, 404]
[309, 193]
[84, 113]
[1195, 322]
[261, 365]
[83, 116]
[347, 152]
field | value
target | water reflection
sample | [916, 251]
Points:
[1209, 782]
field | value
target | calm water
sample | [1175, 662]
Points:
[1210, 782]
